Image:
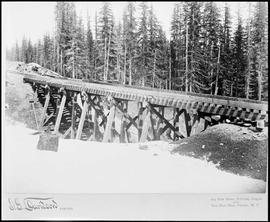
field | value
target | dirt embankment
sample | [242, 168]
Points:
[233, 148]
[17, 97]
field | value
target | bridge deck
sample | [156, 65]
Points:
[201, 102]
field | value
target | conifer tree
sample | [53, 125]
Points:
[106, 44]
[130, 34]
[211, 29]
[259, 54]
[143, 61]
[239, 60]
[177, 47]
[194, 74]
[225, 66]
[90, 49]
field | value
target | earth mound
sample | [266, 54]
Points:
[232, 148]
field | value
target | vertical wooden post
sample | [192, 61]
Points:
[73, 117]
[181, 118]
[187, 122]
[176, 122]
[34, 110]
[108, 128]
[95, 121]
[153, 126]
[146, 124]
[43, 114]
[123, 129]
[82, 119]
[195, 124]
[123, 124]
[140, 120]
[160, 121]
[60, 112]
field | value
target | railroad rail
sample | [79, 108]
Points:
[151, 103]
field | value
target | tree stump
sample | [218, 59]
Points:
[48, 141]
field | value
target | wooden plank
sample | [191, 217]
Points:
[187, 123]
[73, 118]
[153, 127]
[176, 121]
[79, 100]
[140, 119]
[44, 111]
[166, 122]
[182, 125]
[67, 132]
[82, 119]
[98, 110]
[159, 122]
[35, 114]
[145, 128]
[132, 120]
[95, 121]
[123, 129]
[108, 128]
[162, 130]
[60, 113]
[206, 123]
[194, 124]
[48, 118]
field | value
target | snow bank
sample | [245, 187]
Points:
[93, 167]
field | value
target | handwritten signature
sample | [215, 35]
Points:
[32, 203]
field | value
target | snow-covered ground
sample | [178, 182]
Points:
[93, 167]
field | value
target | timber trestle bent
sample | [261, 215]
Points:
[85, 110]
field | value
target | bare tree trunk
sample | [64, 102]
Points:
[216, 84]
[154, 70]
[105, 54]
[53, 57]
[57, 59]
[37, 56]
[130, 68]
[211, 79]
[108, 56]
[73, 69]
[61, 63]
[260, 82]
[170, 74]
[231, 93]
[186, 80]
[125, 64]
[248, 56]
[117, 65]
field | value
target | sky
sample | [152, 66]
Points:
[34, 19]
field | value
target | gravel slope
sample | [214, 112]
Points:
[233, 148]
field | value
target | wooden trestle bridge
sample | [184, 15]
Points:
[73, 107]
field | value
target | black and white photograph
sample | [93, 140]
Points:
[135, 98]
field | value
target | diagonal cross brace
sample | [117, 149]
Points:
[168, 124]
